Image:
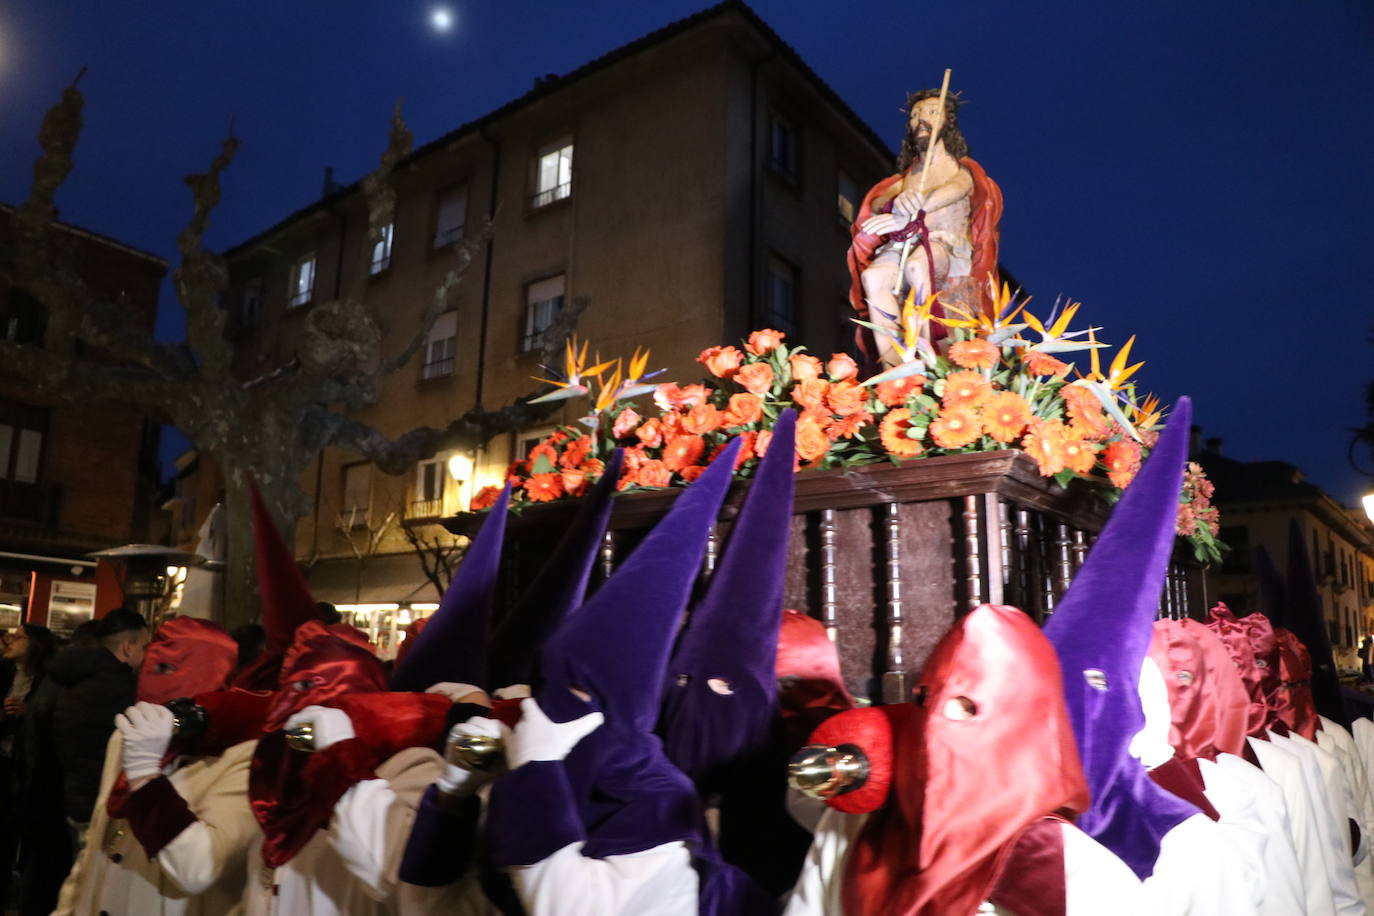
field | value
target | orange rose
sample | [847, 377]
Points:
[484, 498]
[691, 395]
[653, 473]
[812, 442]
[702, 418]
[543, 488]
[765, 341]
[722, 362]
[574, 481]
[804, 366]
[845, 398]
[625, 423]
[744, 409]
[895, 392]
[667, 397]
[810, 394]
[762, 441]
[841, 367]
[746, 448]
[756, 378]
[1038, 363]
[682, 451]
[650, 434]
[576, 451]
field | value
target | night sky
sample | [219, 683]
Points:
[1197, 173]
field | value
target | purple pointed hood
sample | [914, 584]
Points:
[560, 586]
[1101, 632]
[616, 648]
[721, 693]
[453, 644]
[1303, 616]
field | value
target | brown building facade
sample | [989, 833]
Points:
[74, 478]
[692, 186]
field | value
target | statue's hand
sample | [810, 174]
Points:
[884, 224]
[907, 204]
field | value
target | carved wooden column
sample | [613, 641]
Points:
[607, 554]
[1063, 557]
[830, 616]
[973, 561]
[896, 678]
[1026, 596]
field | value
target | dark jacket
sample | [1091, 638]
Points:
[95, 687]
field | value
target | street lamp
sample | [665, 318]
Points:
[1368, 500]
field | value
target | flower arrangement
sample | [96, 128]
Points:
[992, 383]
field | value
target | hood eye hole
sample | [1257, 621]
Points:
[164, 667]
[720, 685]
[683, 680]
[302, 685]
[1185, 677]
[960, 708]
[918, 696]
[1096, 678]
[1261, 663]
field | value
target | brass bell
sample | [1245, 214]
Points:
[824, 772]
[301, 738]
[477, 753]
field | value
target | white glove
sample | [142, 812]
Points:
[513, 692]
[537, 737]
[330, 726]
[147, 731]
[460, 781]
[458, 693]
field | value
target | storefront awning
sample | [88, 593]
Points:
[391, 579]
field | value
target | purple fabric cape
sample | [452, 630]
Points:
[1104, 624]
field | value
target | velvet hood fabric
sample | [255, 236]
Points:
[1235, 638]
[1295, 706]
[452, 646]
[986, 752]
[1101, 631]
[720, 698]
[616, 648]
[811, 686]
[1208, 704]
[559, 588]
[187, 656]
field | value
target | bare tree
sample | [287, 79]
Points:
[438, 551]
[269, 428]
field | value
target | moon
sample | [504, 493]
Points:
[441, 18]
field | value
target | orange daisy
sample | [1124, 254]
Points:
[1085, 411]
[1080, 455]
[974, 354]
[682, 451]
[1122, 459]
[1045, 443]
[1038, 363]
[692, 473]
[848, 427]
[955, 427]
[484, 498]
[574, 481]
[894, 434]
[576, 451]
[544, 488]
[895, 392]
[966, 388]
[1005, 415]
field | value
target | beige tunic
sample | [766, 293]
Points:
[201, 872]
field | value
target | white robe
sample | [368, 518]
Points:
[1096, 882]
[1309, 825]
[1253, 807]
[1363, 731]
[1328, 793]
[1335, 740]
[655, 882]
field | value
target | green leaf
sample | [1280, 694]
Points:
[542, 465]
[1064, 476]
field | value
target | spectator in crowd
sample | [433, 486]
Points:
[328, 613]
[97, 684]
[26, 652]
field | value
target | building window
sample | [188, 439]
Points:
[526, 441]
[848, 194]
[19, 453]
[251, 307]
[357, 493]
[451, 215]
[1237, 560]
[553, 173]
[543, 302]
[302, 281]
[783, 151]
[381, 251]
[23, 319]
[443, 337]
[429, 489]
[780, 302]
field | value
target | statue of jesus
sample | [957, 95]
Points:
[941, 238]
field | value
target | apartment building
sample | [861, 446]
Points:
[1258, 501]
[693, 185]
[74, 478]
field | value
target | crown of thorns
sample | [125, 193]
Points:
[952, 101]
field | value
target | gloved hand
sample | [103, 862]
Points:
[330, 726]
[537, 737]
[147, 731]
[456, 779]
[513, 692]
[461, 693]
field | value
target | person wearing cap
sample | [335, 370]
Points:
[169, 832]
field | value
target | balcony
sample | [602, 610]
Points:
[425, 508]
[29, 503]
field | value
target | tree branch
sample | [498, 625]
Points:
[202, 275]
[465, 251]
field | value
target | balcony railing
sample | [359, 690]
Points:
[548, 196]
[425, 508]
[29, 503]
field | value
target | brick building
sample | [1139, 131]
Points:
[74, 478]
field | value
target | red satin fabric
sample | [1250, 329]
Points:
[873, 729]
[413, 629]
[187, 656]
[319, 667]
[1294, 704]
[811, 687]
[1207, 697]
[1235, 638]
[971, 784]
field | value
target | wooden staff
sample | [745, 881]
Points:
[921, 185]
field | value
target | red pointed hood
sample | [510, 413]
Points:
[320, 666]
[187, 656]
[810, 684]
[1207, 699]
[1235, 638]
[994, 752]
[1293, 702]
